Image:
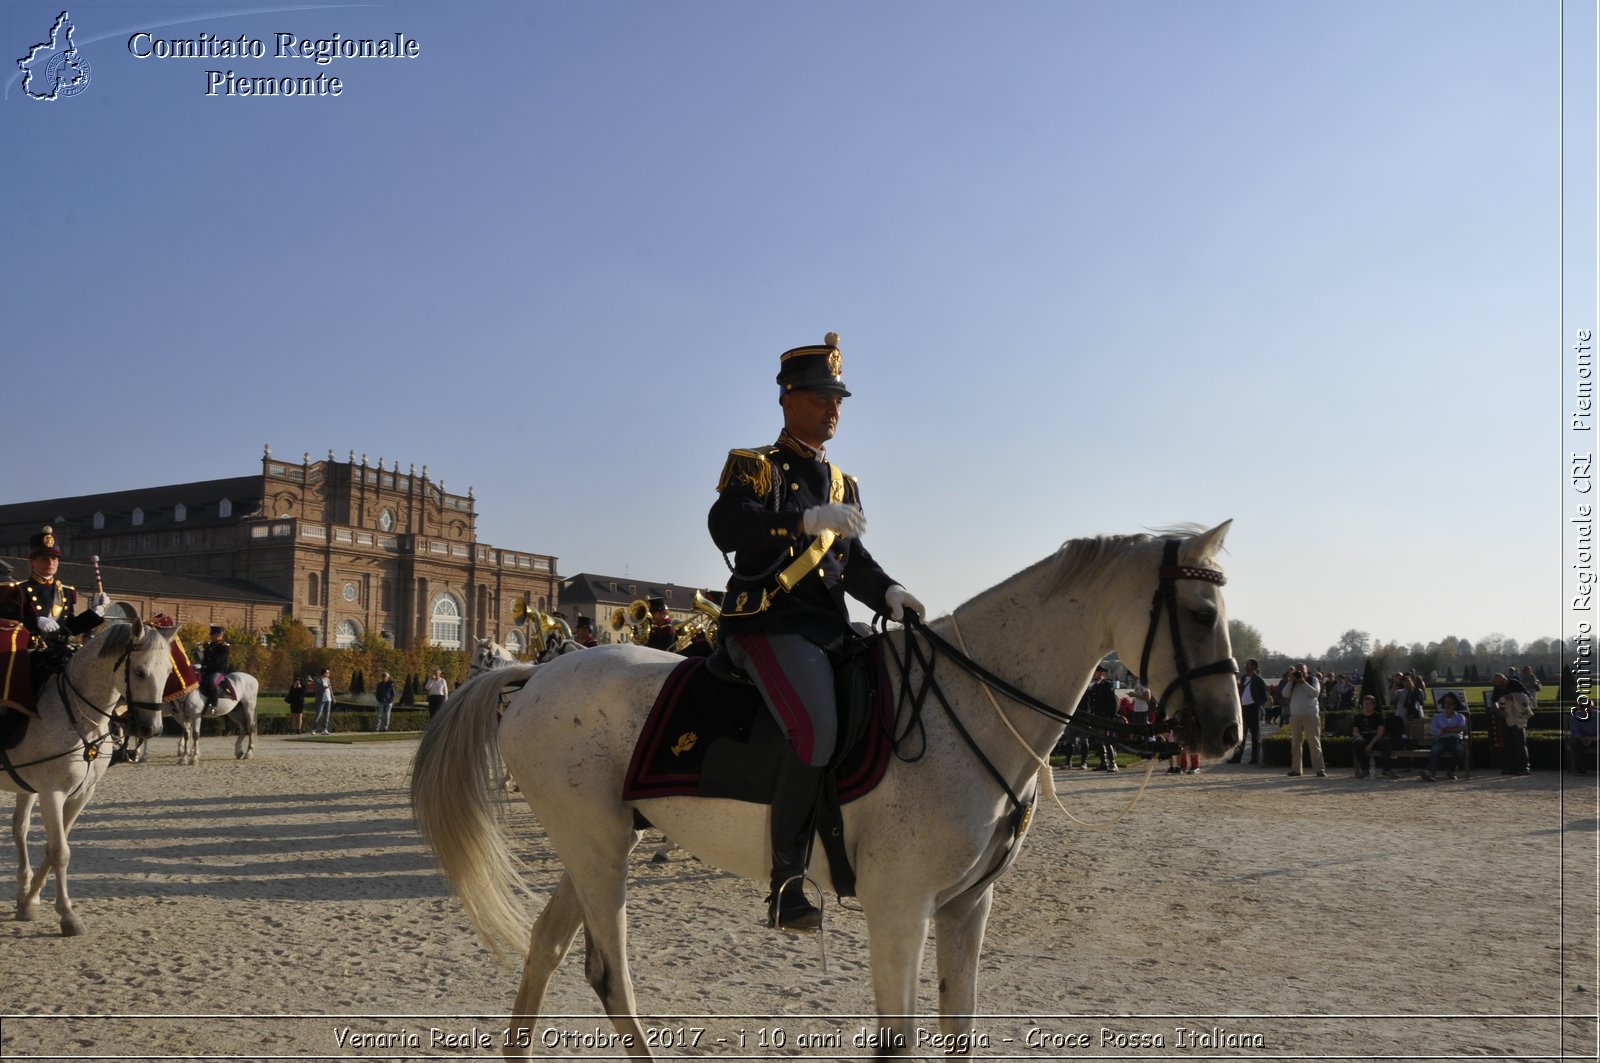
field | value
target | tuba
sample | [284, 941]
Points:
[634, 618]
[523, 612]
[553, 630]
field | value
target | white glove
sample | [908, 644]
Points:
[898, 599]
[841, 519]
[47, 625]
[99, 603]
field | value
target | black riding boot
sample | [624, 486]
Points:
[794, 811]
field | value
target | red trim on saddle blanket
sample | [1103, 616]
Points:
[183, 678]
[692, 709]
[16, 671]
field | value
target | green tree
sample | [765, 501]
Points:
[1246, 641]
[1351, 644]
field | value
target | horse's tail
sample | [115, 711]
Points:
[456, 797]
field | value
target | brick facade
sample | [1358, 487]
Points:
[347, 547]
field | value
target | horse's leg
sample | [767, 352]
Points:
[896, 934]
[553, 934]
[958, 936]
[21, 818]
[57, 854]
[601, 880]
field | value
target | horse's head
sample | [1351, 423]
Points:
[132, 662]
[488, 656]
[1178, 635]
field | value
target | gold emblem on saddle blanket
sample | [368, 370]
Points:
[685, 743]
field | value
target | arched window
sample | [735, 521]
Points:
[444, 629]
[138, 516]
[225, 508]
[346, 635]
[99, 520]
[180, 512]
[514, 642]
[311, 588]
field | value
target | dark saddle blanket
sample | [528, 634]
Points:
[707, 737]
[218, 687]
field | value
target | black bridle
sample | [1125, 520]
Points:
[1167, 596]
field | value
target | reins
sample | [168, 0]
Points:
[1145, 739]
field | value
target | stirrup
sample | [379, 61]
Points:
[788, 908]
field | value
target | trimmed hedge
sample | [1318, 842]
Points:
[345, 720]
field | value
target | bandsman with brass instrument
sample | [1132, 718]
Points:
[583, 632]
[793, 523]
[663, 635]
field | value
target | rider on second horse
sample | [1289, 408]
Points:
[44, 606]
[214, 666]
[793, 522]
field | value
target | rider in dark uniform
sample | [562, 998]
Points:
[46, 609]
[214, 666]
[663, 635]
[793, 522]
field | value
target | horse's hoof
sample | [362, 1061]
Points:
[71, 927]
[26, 915]
[659, 858]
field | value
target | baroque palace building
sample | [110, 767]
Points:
[347, 547]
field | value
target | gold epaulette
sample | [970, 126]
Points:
[749, 468]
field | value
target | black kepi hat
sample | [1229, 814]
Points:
[43, 544]
[813, 368]
[656, 604]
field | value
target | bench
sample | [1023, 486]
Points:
[1421, 744]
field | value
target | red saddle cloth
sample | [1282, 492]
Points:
[16, 672]
[707, 737]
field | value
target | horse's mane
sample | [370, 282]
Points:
[1077, 558]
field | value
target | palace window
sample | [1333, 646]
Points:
[346, 635]
[445, 628]
[311, 588]
[514, 642]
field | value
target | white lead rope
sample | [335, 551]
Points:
[1047, 779]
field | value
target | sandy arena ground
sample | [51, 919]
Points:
[284, 908]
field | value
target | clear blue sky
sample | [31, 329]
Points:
[1097, 267]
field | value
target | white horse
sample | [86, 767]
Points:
[63, 757]
[490, 655]
[926, 844]
[240, 711]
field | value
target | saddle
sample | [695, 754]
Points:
[709, 734]
[221, 687]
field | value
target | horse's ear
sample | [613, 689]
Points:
[1206, 545]
[138, 630]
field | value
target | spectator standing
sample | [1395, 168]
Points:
[385, 695]
[1369, 741]
[1531, 684]
[1516, 709]
[1581, 732]
[296, 697]
[1252, 697]
[1305, 722]
[1500, 738]
[437, 690]
[1449, 730]
[324, 718]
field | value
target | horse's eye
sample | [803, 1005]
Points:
[1204, 617]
